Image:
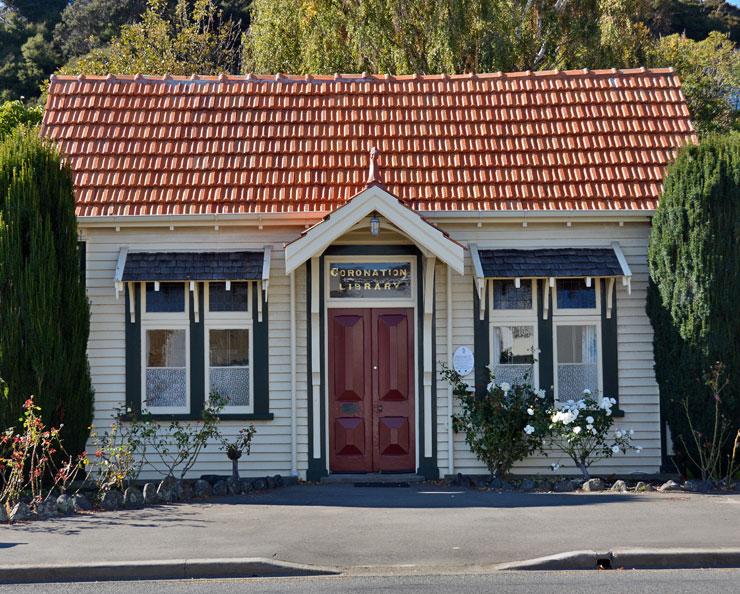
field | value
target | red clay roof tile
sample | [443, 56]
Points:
[575, 140]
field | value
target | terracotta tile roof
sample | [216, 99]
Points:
[575, 140]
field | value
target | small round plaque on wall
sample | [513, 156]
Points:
[462, 360]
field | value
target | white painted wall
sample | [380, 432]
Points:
[638, 391]
[272, 444]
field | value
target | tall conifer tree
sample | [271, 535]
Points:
[694, 259]
[44, 312]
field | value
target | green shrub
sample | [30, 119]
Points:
[44, 313]
[502, 426]
[694, 259]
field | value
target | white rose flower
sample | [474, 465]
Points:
[593, 431]
[590, 420]
[638, 449]
[632, 432]
[554, 466]
[541, 393]
[615, 449]
[505, 386]
[576, 430]
[530, 411]
[587, 392]
[618, 434]
[613, 400]
[589, 426]
[529, 430]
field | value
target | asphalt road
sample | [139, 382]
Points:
[579, 582]
[343, 526]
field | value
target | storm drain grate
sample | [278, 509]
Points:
[603, 563]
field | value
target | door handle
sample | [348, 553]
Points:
[380, 408]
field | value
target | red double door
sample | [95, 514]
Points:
[371, 390]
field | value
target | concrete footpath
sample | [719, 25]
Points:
[374, 529]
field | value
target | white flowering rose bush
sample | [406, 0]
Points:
[582, 430]
[505, 425]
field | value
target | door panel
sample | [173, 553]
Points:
[371, 390]
[393, 389]
[350, 399]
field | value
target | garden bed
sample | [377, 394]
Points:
[140, 495]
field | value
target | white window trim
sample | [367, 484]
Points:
[516, 317]
[165, 321]
[362, 301]
[165, 325]
[595, 311]
[577, 321]
[228, 320]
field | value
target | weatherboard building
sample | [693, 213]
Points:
[315, 248]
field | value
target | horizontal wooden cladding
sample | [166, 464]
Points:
[638, 390]
[271, 446]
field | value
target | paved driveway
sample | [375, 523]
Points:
[345, 526]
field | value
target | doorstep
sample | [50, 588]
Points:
[372, 479]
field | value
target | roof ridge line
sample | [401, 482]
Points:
[348, 77]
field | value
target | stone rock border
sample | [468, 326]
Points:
[169, 490]
[593, 485]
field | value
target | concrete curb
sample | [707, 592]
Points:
[157, 570]
[631, 559]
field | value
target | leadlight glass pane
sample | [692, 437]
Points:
[574, 294]
[507, 296]
[169, 299]
[513, 374]
[577, 352]
[574, 379]
[228, 348]
[219, 299]
[231, 383]
[165, 348]
[166, 387]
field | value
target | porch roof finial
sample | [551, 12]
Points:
[373, 176]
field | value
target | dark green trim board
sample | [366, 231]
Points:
[609, 348]
[544, 340]
[260, 356]
[316, 466]
[481, 343]
[133, 352]
[197, 358]
[372, 250]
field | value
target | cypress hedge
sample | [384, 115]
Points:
[694, 294]
[44, 312]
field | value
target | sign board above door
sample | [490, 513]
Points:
[370, 280]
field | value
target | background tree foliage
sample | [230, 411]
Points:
[710, 76]
[16, 113]
[408, 36]
[195, 39]
[694, 259]
[44, 313]
[86, 25]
